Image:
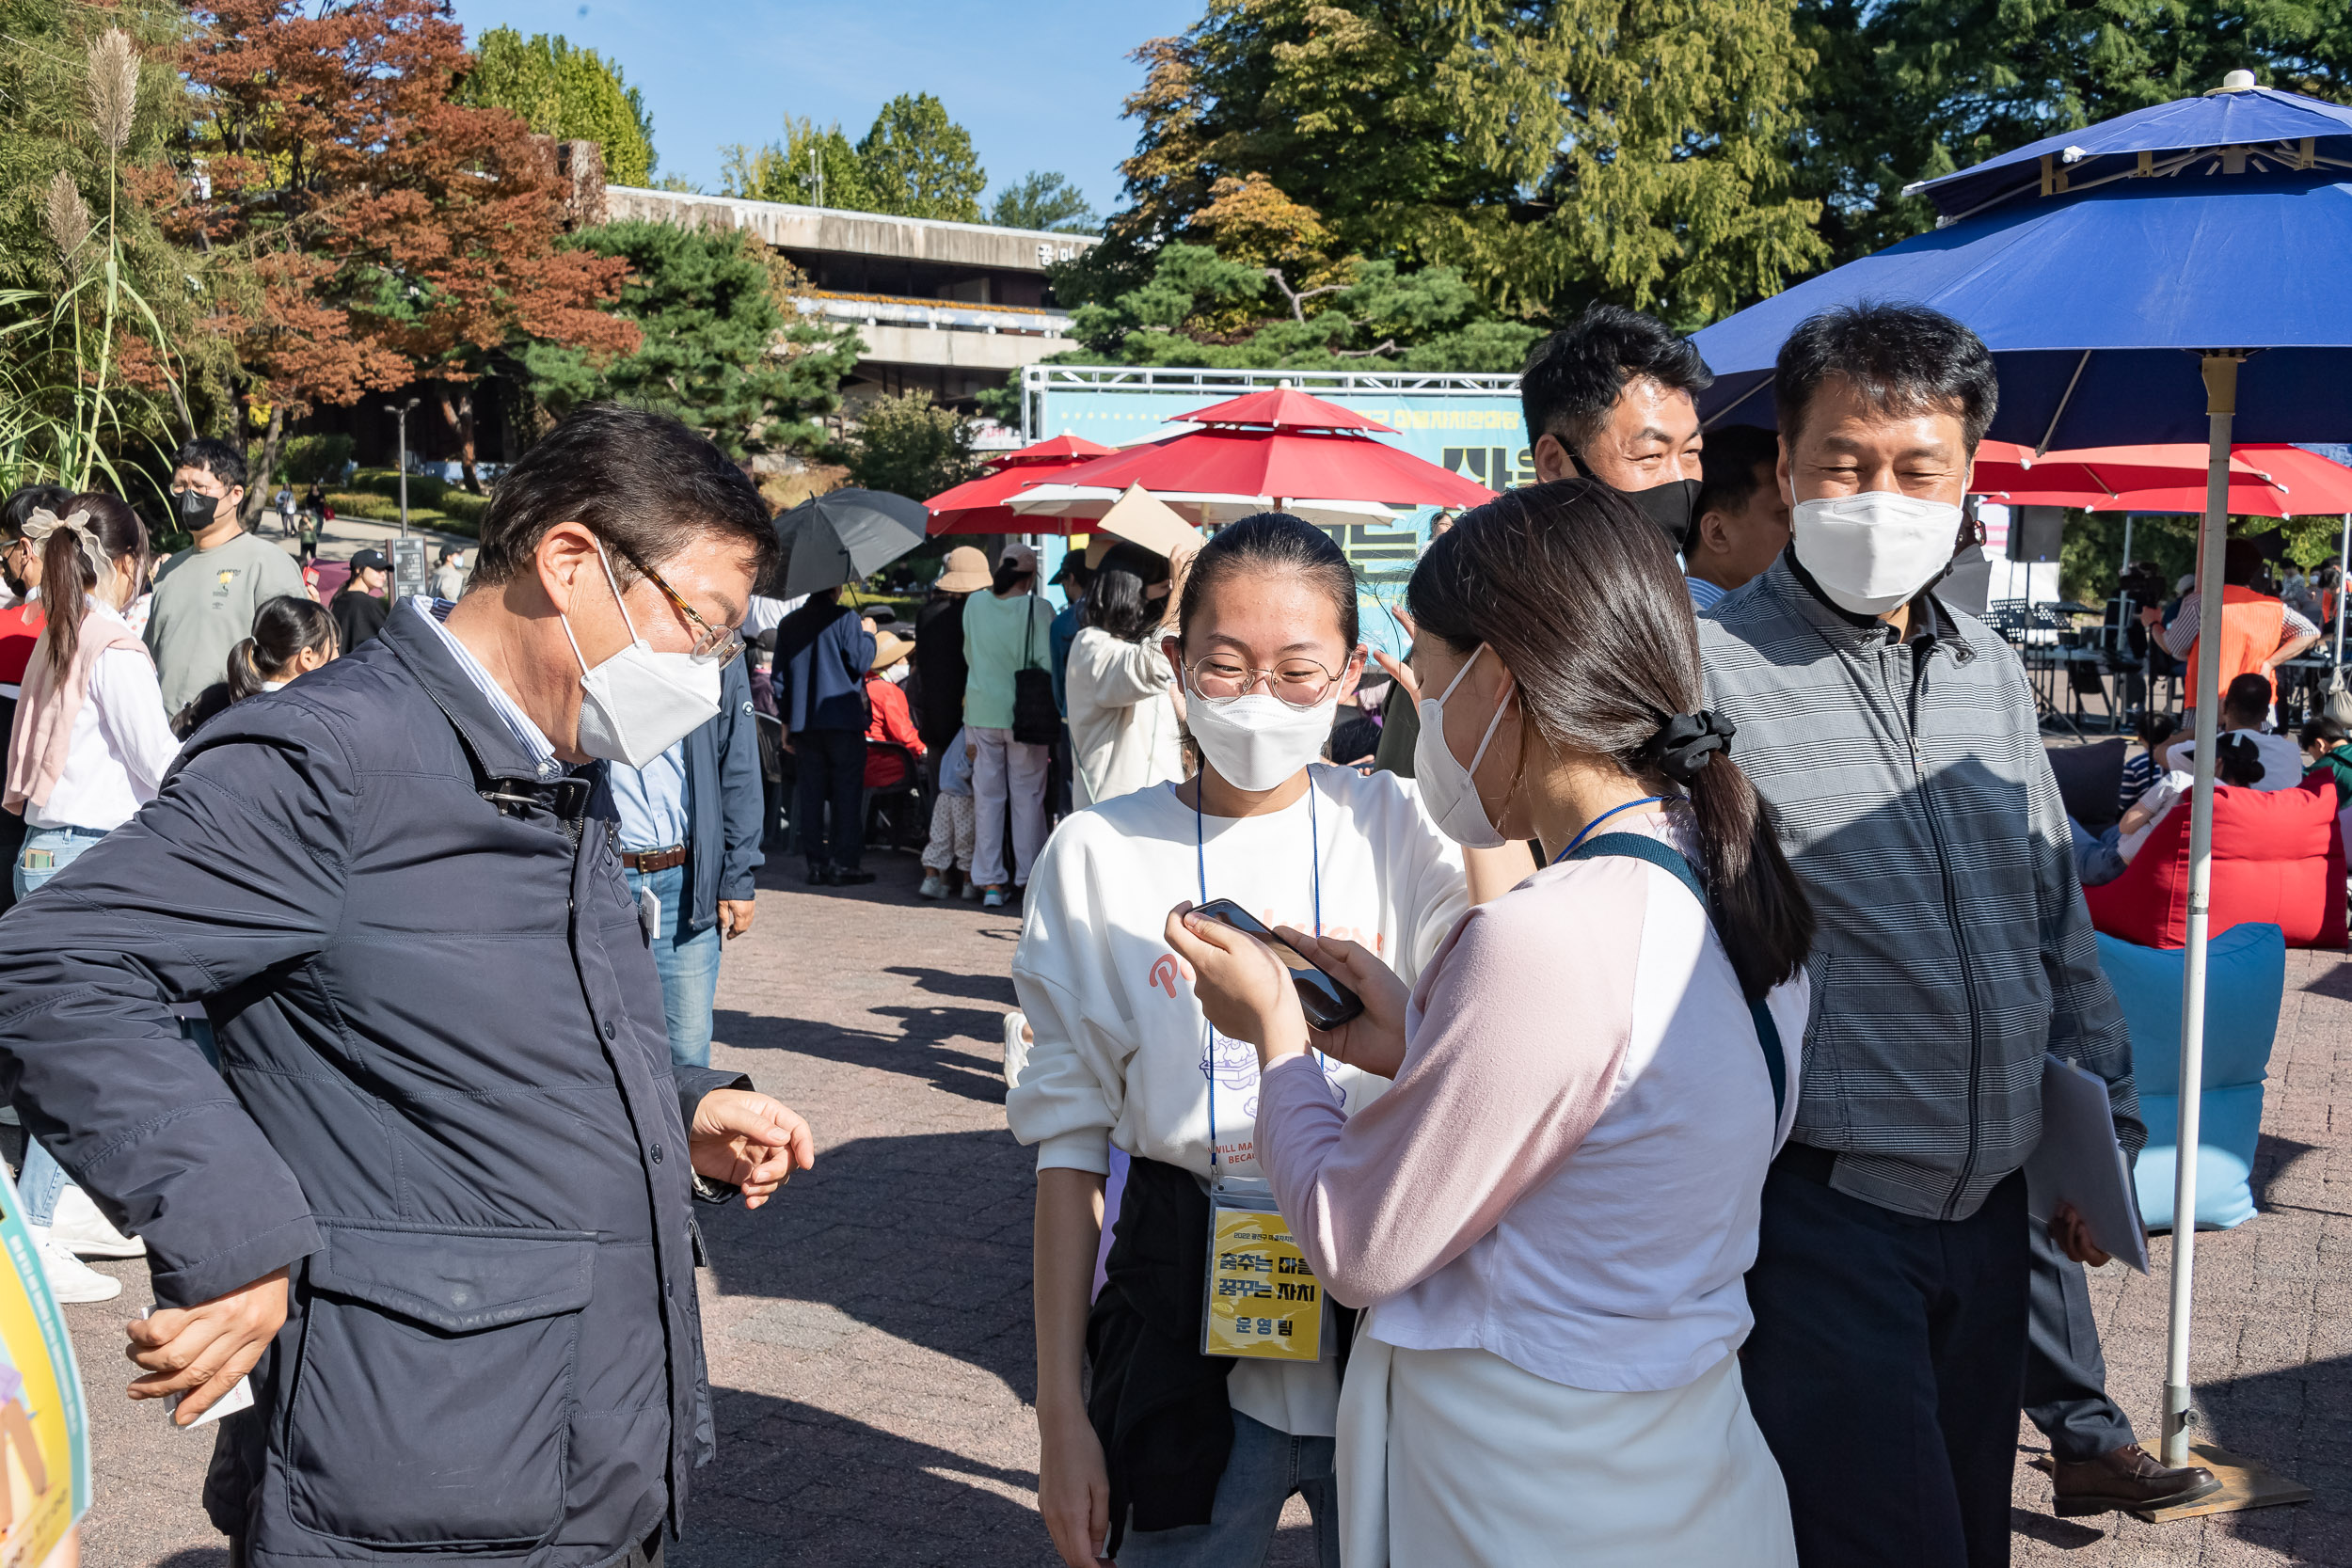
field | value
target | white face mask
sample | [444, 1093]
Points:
[638, 703]
[1873, 551]
[1449, 789]
[1258, 742]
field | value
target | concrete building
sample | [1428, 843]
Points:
[947, 308]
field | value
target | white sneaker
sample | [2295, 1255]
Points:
[971, 889]
[70, 1279]
[934, 886]
[81, 1230]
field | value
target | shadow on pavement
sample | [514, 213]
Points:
[942, 982]
[195, 1557]
[2062, 1533]
[2336, 983]
[794, 1484]
[2273, 1158]
[925, 1238]
[940, 1046]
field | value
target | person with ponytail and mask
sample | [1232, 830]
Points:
[1545, 1218]
[1897, 738]
[89, 747]
[1174, 1456]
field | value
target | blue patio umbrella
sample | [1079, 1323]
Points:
[2172, 274]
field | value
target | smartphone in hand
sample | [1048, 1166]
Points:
[1326, 1003]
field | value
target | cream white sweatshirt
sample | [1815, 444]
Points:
[1123, 1053]
[1121, 1047]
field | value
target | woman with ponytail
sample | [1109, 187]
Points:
[89, 747]
[1548, 1212]
[291, 636]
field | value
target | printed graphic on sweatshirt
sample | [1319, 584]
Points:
[1230, 1066]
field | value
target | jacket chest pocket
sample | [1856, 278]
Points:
[432, 1397]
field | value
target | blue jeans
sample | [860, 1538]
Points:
[2097, 858]
[688, 967]
[46, 852]
[1266, 1467]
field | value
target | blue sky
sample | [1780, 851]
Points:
[1037, 83]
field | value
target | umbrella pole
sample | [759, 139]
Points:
[2220, 407]
[2245, 1482]
[2344, 564]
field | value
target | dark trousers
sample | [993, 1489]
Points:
[1884, 1370]
[2066, 1377]
[832, 767]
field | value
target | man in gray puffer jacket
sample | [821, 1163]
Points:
[437, 1198]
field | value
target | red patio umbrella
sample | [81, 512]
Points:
[1285, 408]
[978, 506]
[2266, 480]
[1284, 445]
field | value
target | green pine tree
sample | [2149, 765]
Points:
[718, 353]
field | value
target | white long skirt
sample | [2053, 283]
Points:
[1454, 1457]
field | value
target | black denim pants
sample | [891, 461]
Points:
[1886, 1369]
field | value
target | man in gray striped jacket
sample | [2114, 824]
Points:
[1898, 741]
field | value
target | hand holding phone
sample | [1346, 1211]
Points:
[1326, 1002]
[1244, 991]
[1374, 1040]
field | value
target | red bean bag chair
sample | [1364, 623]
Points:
[2277, 856]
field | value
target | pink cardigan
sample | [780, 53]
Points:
[43, 734]
[1568, 1169]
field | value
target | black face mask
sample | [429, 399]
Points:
[196, 509]
[1674, 506]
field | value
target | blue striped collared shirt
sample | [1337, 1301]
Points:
[527, 735]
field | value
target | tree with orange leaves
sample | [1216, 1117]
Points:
[389, 233]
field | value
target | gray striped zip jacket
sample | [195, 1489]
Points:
[1917, 805]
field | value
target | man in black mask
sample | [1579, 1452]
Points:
[1611, 397]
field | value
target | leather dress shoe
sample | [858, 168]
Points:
[2125, 1478]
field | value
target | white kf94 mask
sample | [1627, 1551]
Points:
[1873, 551]
[639, 703]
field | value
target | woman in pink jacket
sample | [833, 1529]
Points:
[1549, 1214]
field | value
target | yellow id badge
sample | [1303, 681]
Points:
[1264, 1303]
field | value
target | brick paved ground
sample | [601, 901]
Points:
[869, 1333]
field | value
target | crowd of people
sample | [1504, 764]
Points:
[1693, 912]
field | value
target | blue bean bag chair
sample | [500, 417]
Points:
[2246, 977]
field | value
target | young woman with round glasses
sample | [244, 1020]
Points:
[1173, 1455]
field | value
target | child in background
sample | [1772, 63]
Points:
[2324, 747]
[953, 826]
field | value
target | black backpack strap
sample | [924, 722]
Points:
[1640, 847]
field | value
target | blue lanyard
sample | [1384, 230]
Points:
[1200, 854]
[1584, 832]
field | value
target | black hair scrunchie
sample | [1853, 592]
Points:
[1685, 741]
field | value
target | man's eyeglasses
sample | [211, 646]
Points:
[718, 643]
[1293, 682]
